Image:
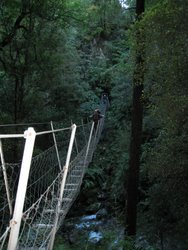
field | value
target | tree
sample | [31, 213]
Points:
[165, 153]
[38, 63]
[136, 129]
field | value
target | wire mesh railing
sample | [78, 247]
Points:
[45, 203]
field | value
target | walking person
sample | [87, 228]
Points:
[96, 117]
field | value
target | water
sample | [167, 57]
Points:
[89, 217]
[87, 222]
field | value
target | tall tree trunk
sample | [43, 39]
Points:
[136, 130]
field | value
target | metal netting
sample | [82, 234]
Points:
[46, 204]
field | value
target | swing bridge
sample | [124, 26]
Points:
[37, 193]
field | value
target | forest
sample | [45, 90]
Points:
[57, 57]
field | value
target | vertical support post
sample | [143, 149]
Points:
[76, 145]
[56, 148]
[58, 208]
[5, 178]
[89, 142]
[22, 186]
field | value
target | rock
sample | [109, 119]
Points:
[101, 197]
[141, 242]
[102, 213]
[73, 237]
[95, 237]
[87, 222]
[93, 208]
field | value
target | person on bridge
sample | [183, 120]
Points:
[105, 100]
[96, 117]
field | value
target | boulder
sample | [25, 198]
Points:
[93, 208]
[101, 214]
[95, 237]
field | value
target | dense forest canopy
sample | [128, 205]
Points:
[56, 59]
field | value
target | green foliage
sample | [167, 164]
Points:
[110, 241]
[60, 245]
[60, 59]
[93, 177]
[104, 60]
[164, 155]
[39, 62]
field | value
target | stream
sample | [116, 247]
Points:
[95, 229]
[98, 231]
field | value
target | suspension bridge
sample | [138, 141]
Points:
[37, 193]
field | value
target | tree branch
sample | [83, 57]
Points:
[17, 25]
